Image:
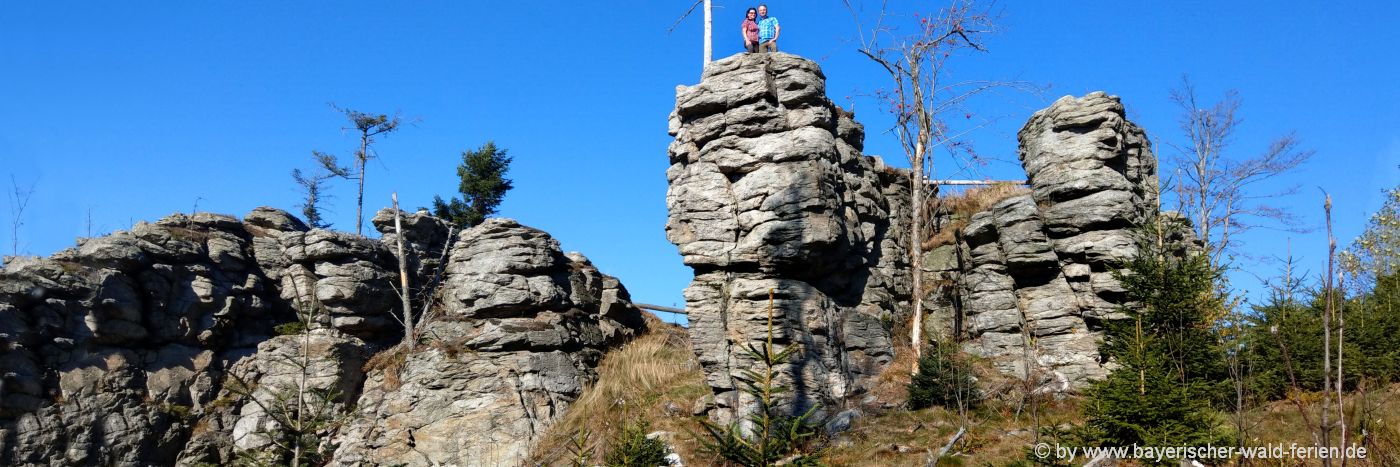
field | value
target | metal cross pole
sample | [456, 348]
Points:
[709, 20]
[667, 309]
[977, 182]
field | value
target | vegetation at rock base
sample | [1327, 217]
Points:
[483, 186]
[944, 379]
[635, 449]
[1170, 359]
[300, 416]
[654, 378]
[773, 435]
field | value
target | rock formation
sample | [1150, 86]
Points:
[171, 342]
[521, 328]
[1037, 269]
[769, 192]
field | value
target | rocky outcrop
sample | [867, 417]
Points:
[1037, 270]
[181, 341]
[113, 346]
[769, 194]
[521, 328]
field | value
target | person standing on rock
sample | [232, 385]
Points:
[767, 31]
[749, 29]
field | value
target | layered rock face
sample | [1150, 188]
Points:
[160, 345]
[111, 344]
[769, 194]
[1037, 269]
[521, 328]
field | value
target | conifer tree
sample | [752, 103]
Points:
[313, 186]
[776, 437]
[483, 185]
[1171, 361]
[370, 127]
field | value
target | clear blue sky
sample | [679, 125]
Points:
[132, 111]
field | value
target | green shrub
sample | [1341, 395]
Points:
[290, 328]
[944, 379]
[634, 449]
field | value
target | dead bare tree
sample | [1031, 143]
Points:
[19, 201]
[1332, 311]
[409, 335]
[1215, 189]
[924, 98]
[1327, 316]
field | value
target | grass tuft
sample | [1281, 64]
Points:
[962, 206]
[654, 380]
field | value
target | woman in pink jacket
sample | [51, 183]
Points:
[750, 30]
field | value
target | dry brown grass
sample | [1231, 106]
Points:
[636, 382]
[391, 362]
[1379, 410]
[963, 206]
[892, 385]
[188, 234]
[999, 434]
[996, 435]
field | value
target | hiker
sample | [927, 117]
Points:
[767, 30]
[750, 30]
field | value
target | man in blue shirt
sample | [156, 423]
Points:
[767, 31]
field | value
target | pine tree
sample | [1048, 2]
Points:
[483, 186]
[1170, 357]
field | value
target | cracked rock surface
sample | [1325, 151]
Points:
[1038, 276]
[168, 344]
[769, 192]
[522, 326]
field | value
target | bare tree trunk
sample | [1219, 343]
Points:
[429, 291]
[916, 174]
[709, 43]
[919, 101]
[408, 330]
[360, 199]
[1327, 337]
[1341, 323]
[921, 140]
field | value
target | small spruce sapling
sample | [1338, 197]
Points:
[776, 436]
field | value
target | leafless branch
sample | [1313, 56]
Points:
[19, 201]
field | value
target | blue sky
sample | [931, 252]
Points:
[126, 111]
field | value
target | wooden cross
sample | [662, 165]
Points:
[709, 20]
